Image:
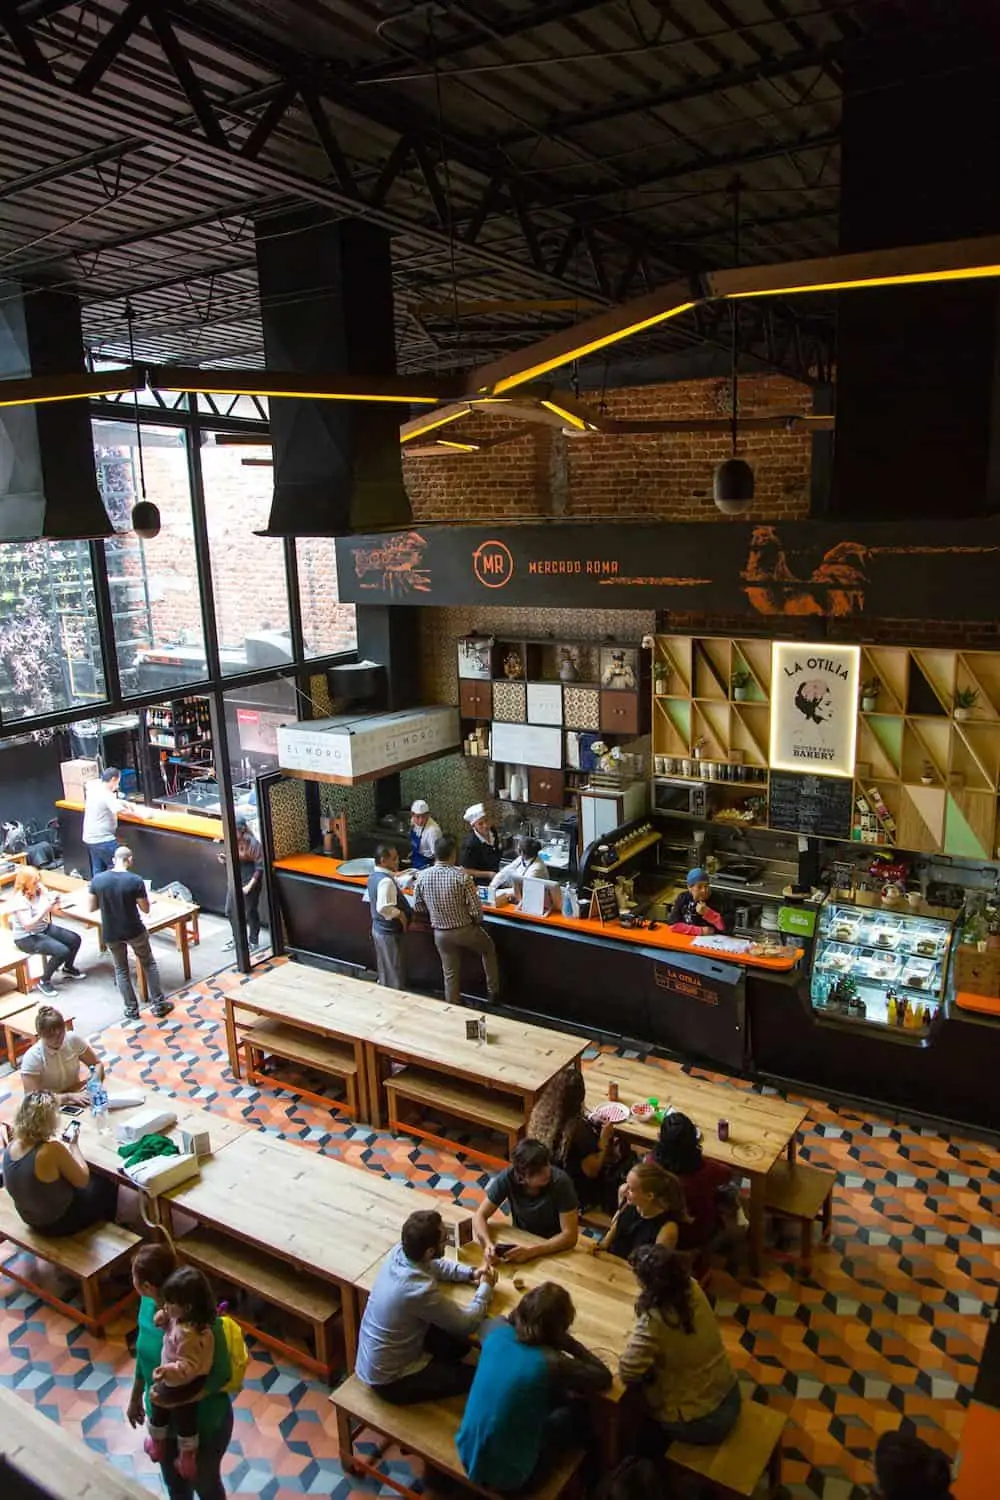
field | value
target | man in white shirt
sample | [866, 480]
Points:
[390, 918]
[101, 806]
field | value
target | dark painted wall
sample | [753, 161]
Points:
[29, 781]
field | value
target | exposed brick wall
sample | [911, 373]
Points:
[665, 476]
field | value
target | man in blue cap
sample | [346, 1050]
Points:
[693, 911]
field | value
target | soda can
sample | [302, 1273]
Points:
[723, 1130]
[613, 1092]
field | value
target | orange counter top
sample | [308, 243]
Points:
[170, 822]
[325, 868]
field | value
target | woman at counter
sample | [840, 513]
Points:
[424, 834]
[481, 849]
[695, 911]
[526, 865]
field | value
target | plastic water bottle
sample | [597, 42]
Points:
[98, 1102]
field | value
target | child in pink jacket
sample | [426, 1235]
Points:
[187, 1318]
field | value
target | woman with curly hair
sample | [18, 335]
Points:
[48, 1179]
[675, 1352]
[594, 1160]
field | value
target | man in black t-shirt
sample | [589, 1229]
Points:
[121, 896]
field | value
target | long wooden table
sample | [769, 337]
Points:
[323, 1215]
[60, 1464]
[101, 1151]
[603, 1289]
[761, 1128]
[325, 1005]
[163, 912]
[517, 1058]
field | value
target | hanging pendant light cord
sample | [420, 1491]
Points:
[734, 377]
[135, 401]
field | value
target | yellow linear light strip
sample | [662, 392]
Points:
[461, 447]
[569, 417]
[111, 390]
[435, 419]
[509, 381]
[911, 278]
[202, 389]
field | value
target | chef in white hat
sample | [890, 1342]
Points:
[481, 847]
[424, 834]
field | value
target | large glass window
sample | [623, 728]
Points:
[154, 584]
[327, 625]
[50, 654]
[248, 571]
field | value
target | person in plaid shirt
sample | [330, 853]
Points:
[446, 896]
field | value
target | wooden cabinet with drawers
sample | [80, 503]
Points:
[548, 787]
[619, 711]
[475, 700]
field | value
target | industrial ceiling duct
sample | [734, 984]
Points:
[326, 302]
[48, 483]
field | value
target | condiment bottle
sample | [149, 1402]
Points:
[891, 1014]
[613, 1091]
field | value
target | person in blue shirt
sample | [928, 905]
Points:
[521, 1413]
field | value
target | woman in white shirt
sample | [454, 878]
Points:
[34, 931]
[56, 1061]
[527, 864]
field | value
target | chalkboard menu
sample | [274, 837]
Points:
[818, 805]
[603, 904]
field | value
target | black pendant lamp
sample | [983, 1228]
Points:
[732, 483]
[145, 515]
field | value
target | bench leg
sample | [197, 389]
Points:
[774, 1469]
[807, 1245]
[826, 1215]
[92, 1304]
[349, 1323]
[345, 1442]
[232, 1046]
[324, 1349]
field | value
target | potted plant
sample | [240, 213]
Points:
[661, 679]
[965, 701]
[993, 928]
[740, 682]
[927, 774]
[869, 694]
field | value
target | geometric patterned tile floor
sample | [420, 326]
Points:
[890, 1324]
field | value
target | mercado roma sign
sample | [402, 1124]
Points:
[931, 570]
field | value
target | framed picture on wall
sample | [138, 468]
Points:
[619, 667]
[475, 657]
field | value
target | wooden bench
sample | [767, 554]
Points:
[427, 1430]
[796, 1191]
[291, 1044]
[23, 1008]
[737, 1464]
[14, 963]
[285, 1286]
[465, 1101]
[87, 1256]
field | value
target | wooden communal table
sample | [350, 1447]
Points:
[310, 1210]
[603, 1289]
[517, 1058]
[101, 1151]
[761, 1128]
[321, 1004]
[59, 1464]
[163, 912]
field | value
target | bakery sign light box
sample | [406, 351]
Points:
[814, 707]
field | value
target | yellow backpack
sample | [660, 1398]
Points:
[238, 1355]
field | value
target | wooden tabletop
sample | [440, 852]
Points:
[329, 1217]
[603, 1289]
[327, 1003]
[516, 1057]
[164, 911]
[760, 1125]
[60, 1464]
[101, 1151]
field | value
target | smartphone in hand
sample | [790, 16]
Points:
[72, 1133]
[503, 1248]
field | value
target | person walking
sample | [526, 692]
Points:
[390, 912]
[120, 896]
[447, 897]
[33, 930]
[250, 857]
[412, 1340]
[101, 806]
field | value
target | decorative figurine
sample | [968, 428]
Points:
[512, 664]
[569, 667]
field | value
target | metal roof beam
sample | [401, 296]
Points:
[489, 31]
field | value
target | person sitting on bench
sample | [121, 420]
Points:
[542, 1201]
[412, 1339]
[907, 1468]
[56, 1062]
[48, 1180]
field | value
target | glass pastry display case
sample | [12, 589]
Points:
[880, 966]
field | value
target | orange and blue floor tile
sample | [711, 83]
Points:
[889, 1324]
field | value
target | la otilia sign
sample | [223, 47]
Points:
[356, 747]
[814, 707]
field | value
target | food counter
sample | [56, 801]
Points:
[167, 846]
[649, 985]
[745, 1014]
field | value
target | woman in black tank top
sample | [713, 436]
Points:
[651, 1212]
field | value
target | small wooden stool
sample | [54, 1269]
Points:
[796, 1191]
[735, 1465]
